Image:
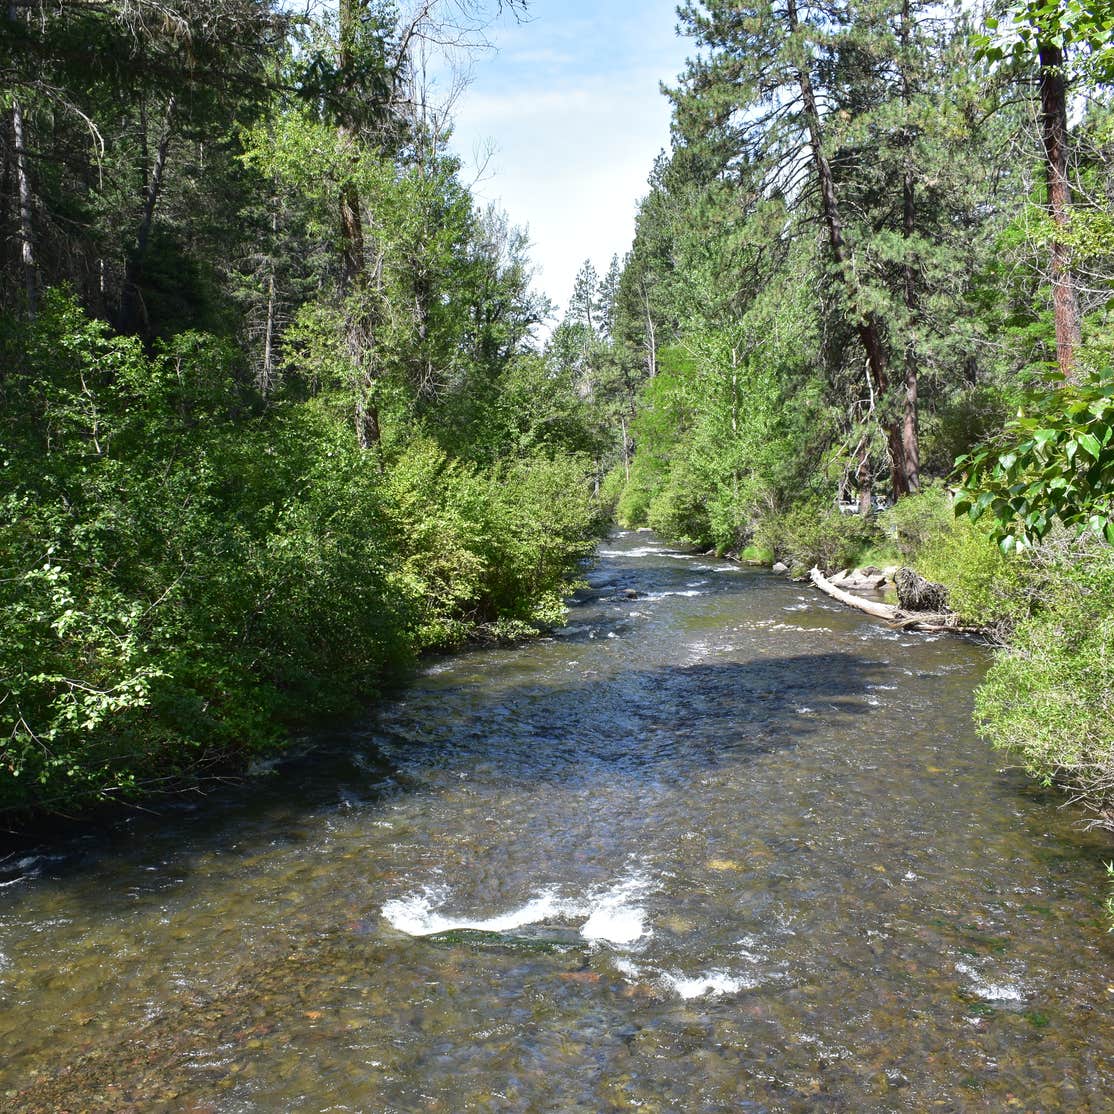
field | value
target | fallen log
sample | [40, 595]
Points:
[871, 607]
[928, 621]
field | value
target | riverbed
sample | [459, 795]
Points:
[717, 845]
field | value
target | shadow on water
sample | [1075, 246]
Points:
[663, 722]
[681, 718]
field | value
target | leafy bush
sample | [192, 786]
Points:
[679, 511]
[633, 507]
[182, 579]
[1049, 696]
[1054, 463]
[611, 490]
[815, 533]
[985, 587]
[915, 521]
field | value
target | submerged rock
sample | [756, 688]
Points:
[533, 938]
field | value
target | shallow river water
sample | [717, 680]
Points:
[725, 846]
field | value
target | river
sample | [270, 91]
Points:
[722, 845]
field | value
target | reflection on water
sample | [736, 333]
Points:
[718, 845]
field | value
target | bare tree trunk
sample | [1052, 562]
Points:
[266, 378]
[23, 186]
[867, 325]
[26, 228]
[134, 312]
[651, 338]
[865, 480]
[910, 442]
[1054, 133]
[909, 439]
[266, 371]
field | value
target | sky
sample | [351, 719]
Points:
[569, 102]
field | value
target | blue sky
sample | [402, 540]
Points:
[569, 100]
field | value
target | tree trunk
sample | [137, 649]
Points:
[910, 443]
[1054, 133]
[865, 480]
[867, 325]
[23, 187]
[651, 338]
[26, 228]
[909, 439]
[266, 371]
[134, 313]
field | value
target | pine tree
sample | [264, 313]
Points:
[582, 305]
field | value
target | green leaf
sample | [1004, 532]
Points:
[1089, 443]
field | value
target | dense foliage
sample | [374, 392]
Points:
[271, 417]
[1055, 463]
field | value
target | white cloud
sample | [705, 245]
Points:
[572, 107]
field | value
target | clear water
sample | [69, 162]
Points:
[725, 846]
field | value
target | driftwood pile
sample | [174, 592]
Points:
[914, 593]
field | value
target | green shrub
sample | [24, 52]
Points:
[679, 511]
[543, 524]
[611, 491]
[1049, 696]
[183, 579]
[814, 533]
[915, 521]
[633, 507]
[984, 587]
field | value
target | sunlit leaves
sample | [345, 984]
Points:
[1053, 463]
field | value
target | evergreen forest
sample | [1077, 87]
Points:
[278, 413]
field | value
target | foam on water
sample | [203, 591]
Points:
[613, 914]
[419, 915]
[710, 982]
[646, 551]
[616, 916]
[990, 991]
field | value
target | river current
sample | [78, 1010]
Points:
[717, 845]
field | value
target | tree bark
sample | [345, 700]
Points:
[909, 435]
[867, 325]
[910, 442]
[134, 314]
[651, 338]
[1054, 134]
[864, 481]
[26, 227]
